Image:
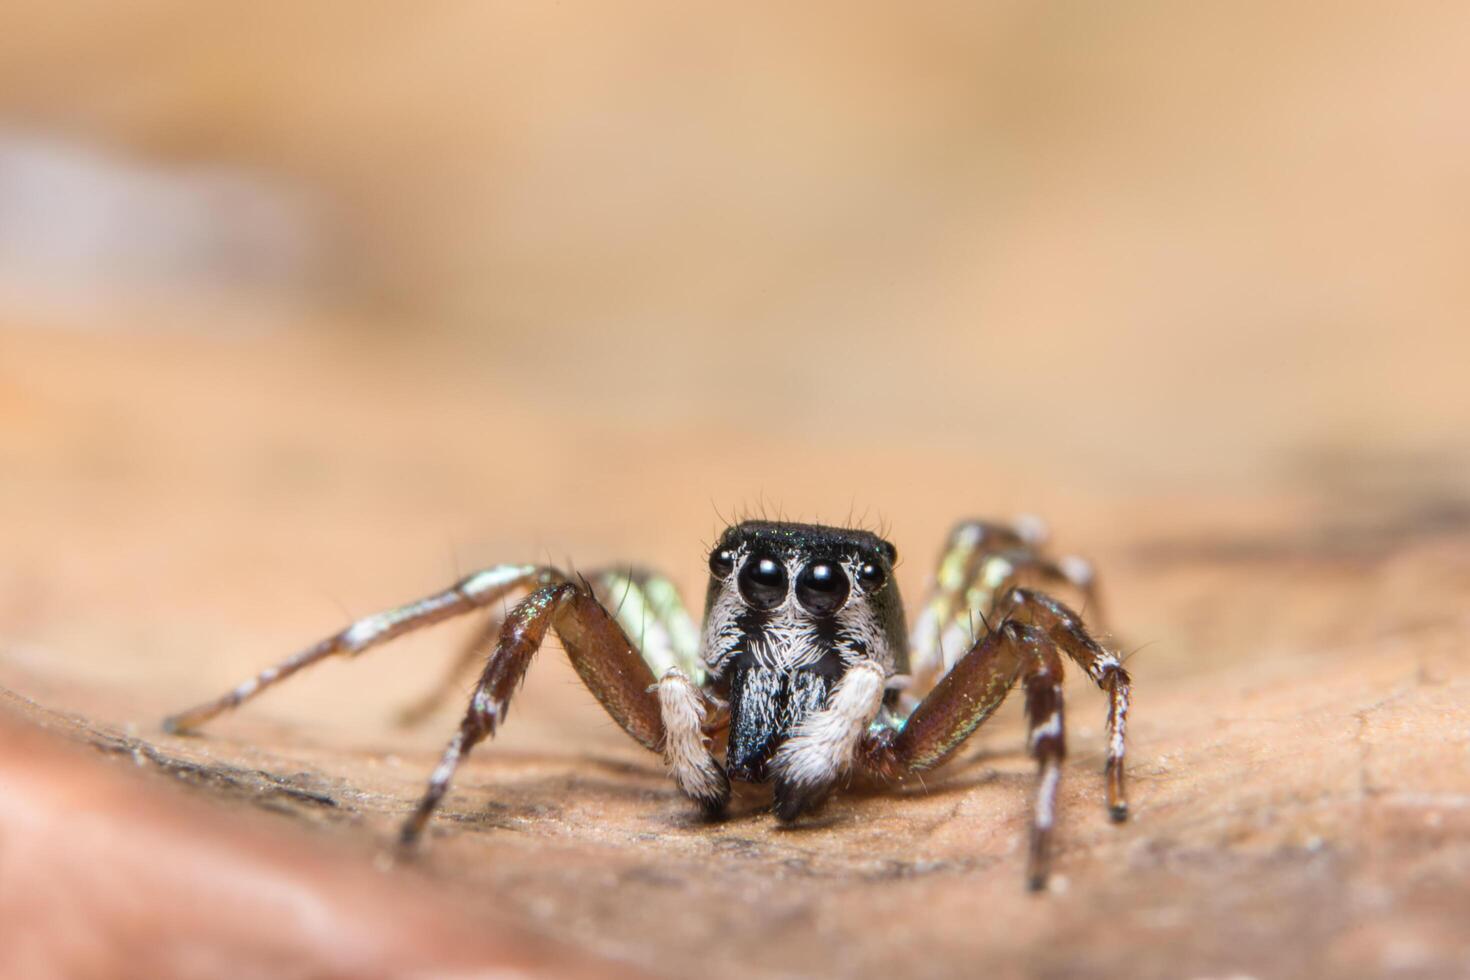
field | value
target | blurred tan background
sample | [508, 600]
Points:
[1124, 223]
[304, 308]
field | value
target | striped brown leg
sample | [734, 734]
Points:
[968, 695]
[600, 652]
[1065, 629]
[470, 593]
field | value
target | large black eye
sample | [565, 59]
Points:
[871, 576]
[763, 582]
[822, 588]
[721, 562]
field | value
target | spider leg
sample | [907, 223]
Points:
[472, 592]
[651, 612]
[1065, 629]
[951, 614]
[968, 695]
[646, 605]
[981, 561]
[599, 651]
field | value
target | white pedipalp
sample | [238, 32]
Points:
[822, 748]
[686, 748]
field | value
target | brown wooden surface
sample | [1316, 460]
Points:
[179, 512]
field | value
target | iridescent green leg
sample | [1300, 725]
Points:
[982, 560]
[650, 610]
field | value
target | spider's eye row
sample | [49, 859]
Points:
[871, 576]
[762, 582]
[822, 588]
[721, 562]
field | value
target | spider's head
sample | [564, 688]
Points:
[790, 608]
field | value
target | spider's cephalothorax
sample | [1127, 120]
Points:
[790, 609]
[800, 665]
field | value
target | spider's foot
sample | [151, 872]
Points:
[716, 797]
[792, 799]
[714, 808]
[1038, 861]
[412, 830]
[1117, 797]
[407, 844]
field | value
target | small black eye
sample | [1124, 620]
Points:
[822, 588]
[721, 562]
[871, 576]
[763, 582]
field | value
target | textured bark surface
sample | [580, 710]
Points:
[1300, 754]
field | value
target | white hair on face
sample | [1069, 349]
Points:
[860, 635]
[822, 746]
[791, 638]
[686, 749]
[722, 635]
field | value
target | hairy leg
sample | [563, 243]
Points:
[1066, 631]
[646, 605]
[599, 651]
[475, 591]
[968, 695]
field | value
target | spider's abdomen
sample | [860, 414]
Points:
[766, 705]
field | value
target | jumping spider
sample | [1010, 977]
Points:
[804, 662]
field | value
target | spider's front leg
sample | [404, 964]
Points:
[668, 714]
[969, 694]
[475, 591]
[646, 605]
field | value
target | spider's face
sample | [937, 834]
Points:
[790, 608]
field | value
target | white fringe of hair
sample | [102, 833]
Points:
[686, 749]
[822, 747]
